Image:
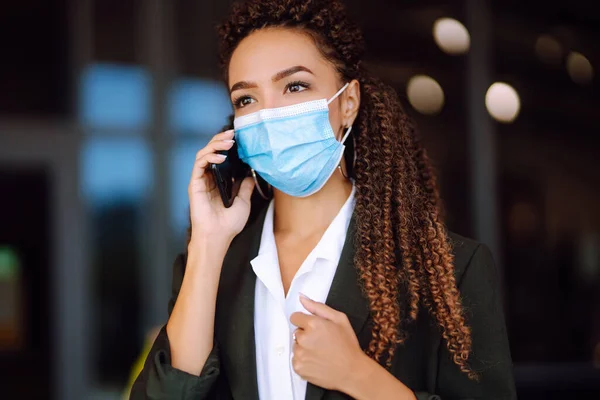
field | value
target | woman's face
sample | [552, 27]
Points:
[278, 67]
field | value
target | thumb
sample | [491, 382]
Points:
[246, 188]
[319, 309]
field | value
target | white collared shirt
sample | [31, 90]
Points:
[272, 310]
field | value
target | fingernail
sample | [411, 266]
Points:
[222, 156]
[305, 296]
[229, 131]
[229, 141]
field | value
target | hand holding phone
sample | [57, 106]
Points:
[229, 175]
[208, 215]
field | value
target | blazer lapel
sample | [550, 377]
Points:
[346, 296]
[235, 312]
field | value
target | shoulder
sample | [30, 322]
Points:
[468, 252]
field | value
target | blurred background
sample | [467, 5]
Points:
[103, 104]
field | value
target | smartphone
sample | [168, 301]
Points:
[229, 175]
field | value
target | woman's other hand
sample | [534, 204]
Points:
[326, 351]
[208, 215]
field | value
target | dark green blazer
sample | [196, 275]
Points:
[422, 363]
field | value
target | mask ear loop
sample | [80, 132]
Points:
[260, 191]
[338, 93]
[354, 147]
[347, 132]
[346, 135]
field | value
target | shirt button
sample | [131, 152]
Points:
[280, 350]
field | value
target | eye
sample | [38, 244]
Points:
[297, 86]
[242, 101]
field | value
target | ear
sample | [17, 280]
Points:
[351, 103]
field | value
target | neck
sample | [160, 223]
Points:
[305, 216]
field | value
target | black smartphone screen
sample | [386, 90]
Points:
[229, 175]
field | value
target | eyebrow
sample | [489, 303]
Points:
[277, 77]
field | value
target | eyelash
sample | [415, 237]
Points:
[237, 101]
[297, 83]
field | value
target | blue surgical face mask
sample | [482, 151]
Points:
[293, 148]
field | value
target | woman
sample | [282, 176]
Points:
[346, 284]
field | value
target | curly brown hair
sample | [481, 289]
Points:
[398, 208]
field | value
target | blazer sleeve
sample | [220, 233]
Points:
[480, 293]
[159, 380]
